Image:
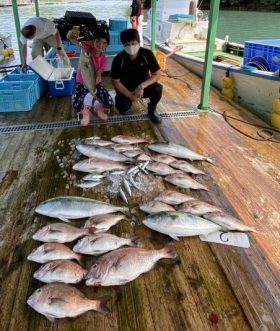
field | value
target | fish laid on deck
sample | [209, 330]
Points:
[153, 207]
[186, 167]
[61, 233]
[60, 271]
[70, 207]
[180, 224]
[163, 158]
[102, 243]
[185, 181]
[198, 207]
[177, 150]
[126, 264]
[173, 197]
[121, 139]
[53, 251]
[162, 169]
[61, 300]
[100, 152]
[98, 165]
[102, 223]
[98, 142]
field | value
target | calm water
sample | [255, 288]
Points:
[240, 26]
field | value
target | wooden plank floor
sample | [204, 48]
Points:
[239, 286]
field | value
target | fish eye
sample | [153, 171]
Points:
[39, 290]
[94, 266]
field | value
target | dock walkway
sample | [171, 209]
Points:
[209, 286]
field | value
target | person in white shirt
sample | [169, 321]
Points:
[41, 30]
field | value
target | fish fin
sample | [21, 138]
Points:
[53, 301]
[64, 219]
[170, 251]
[174, 237]
[101, 305]
[50, 318]
[48, 250]
[82, 260]
[54, 231]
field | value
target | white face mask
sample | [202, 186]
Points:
[132, 49]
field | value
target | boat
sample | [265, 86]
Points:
[254, 87]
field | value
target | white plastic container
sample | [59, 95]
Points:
[60, 80]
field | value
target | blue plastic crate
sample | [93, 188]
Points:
[269, 50]
[17, 96]
[115, 38]
[40, 87]
[118, 24]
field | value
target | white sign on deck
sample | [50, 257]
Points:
[238, 239]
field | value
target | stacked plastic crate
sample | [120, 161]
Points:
[19, 92]
[263, 54]
[116, 26]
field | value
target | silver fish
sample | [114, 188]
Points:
[88, 184]
[60, 300]
[167, 159]
[127, 187]
[153, 207]
[94, 176]
[186, 167]
[60, 233]
[128, 140]
[173, 197]
[132, 154]
[98, 142]
[61, 271]
[125, 148]
[161, 169]
[126, 264]
[98, 165]
[102, 243]
[185, 181]
[100, 152]
[227, 222]
[70, 207]
[53, 251]
[122, 195]
[102, 223]
[197, 207]
[87, 70]
[180, 224]
[177, 150]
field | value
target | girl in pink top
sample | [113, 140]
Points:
[82, 99]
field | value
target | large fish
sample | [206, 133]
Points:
[59, 300]
[53, 251]
[125, 264]
[173, 197]
[102, 243]
[128, 140]
[177, 150]
[70, 207]
[197, 207]
[61, 271]
[98, 165]
[87, 70]
[153, 207]
[161, 169]
[102, 223]
[227, 222]
[61, 233]
[101, 152]
[185, 181]
[186, 167]
[180, 224]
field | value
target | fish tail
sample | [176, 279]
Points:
[169, 251]
[100, 305]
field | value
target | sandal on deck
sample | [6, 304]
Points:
[86, 116]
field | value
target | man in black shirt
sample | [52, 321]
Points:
[135, 74]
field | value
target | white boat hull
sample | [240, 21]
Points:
[255, 90]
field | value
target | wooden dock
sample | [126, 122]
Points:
[209, 286]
